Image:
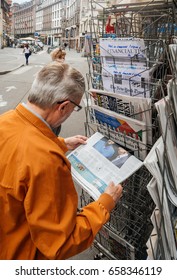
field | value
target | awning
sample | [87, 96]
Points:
[28, 39]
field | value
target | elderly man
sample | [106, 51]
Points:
[38, 200]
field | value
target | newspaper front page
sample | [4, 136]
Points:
[123, 48]
[138, 108]
[127, 132]
[99, 162]
[128, 80]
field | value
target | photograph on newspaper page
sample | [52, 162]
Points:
[126, 79]
[138, 108]
[127, 131]
[99, 162]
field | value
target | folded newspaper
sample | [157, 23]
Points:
[138, 108]
[99, 162]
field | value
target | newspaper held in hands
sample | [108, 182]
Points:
[99, 162]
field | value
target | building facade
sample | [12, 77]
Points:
[5, 23]
[23, 19]
[48, 21]
[57, 21]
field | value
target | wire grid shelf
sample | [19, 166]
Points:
[129, 227]
[126, 234]
[147, 19]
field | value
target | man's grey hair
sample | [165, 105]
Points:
[56, 82]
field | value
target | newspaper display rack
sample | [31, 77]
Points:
[131, 99]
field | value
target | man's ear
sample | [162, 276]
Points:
[62, 106]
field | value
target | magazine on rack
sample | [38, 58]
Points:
[99, 162]
[138, 108]
[128, 132]
[126, 79]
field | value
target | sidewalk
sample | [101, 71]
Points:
[10, 60]
[13, 58]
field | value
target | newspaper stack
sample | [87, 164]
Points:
[123, 110]
[154, 163]
[162, 162]
[127, 119]
[124, 68]
[173, 57]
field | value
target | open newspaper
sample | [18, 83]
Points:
[99, 162]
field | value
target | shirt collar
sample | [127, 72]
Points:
[36, 114]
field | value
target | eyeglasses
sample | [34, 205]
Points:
[77, 107]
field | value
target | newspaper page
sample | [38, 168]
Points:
[127, 132]
[114, 49]
[138, 108]
[154, 162]
[153, 248]
[173, 56]
[169, 133]
[99, 162]
[172, 90]
[126, 79]
[153, 244]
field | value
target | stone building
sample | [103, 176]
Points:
[5, 23]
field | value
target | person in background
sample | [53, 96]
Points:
[58, 55]
[39, 218]
[27, 52]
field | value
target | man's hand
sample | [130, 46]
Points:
[115, 191]
[73, 142]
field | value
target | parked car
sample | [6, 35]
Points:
[21, 44]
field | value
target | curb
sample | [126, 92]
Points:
[7, 71]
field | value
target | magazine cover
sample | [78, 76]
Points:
[99, 162]
[126, 79]
[138, 108]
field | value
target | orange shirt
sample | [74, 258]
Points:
[38, 200]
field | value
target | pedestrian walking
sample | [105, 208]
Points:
[27, 52]
[39, 218]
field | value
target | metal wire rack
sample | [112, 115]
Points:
[130, 227]
[126, 233]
